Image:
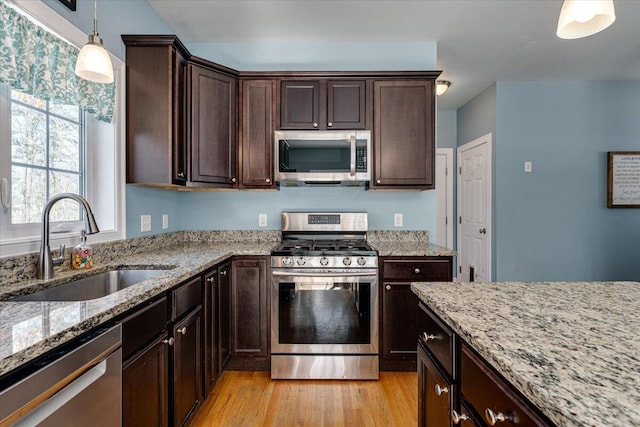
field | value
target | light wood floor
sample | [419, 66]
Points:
[253, 399]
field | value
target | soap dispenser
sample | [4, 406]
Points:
[82, 254]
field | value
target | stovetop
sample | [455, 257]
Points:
[300, 247]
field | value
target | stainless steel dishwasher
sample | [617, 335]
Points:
[80, 386]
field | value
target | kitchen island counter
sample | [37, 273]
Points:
[30, 329]
[571, 348]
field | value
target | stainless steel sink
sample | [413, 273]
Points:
[92, 287]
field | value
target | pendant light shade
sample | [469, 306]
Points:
[93, 61]
[582, 18]
[442, 86]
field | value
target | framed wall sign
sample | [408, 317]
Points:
[71, 4]
[623, 179]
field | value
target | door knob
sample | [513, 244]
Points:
[483, 231]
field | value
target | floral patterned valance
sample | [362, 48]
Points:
[34, 61]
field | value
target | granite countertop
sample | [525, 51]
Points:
[30, 329]
[572, 348]
[411, 249]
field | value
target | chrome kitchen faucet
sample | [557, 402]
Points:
[46, 261]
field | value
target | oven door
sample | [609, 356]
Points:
[324, 313]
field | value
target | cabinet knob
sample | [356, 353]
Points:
[456, 418]
[315, 125]
[493, 418]
[378, 181]
[169, 342]
[417, 271]
[329, 124]
[180, 174]
[182, 330]
[210, 279]
[427, 337]
[233, 180]
[268, 180]
[440, 390]
[223, 273]
[388, 287]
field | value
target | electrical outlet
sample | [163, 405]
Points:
[165, 221]
[262, 220]
[145, 223]
[528, 167]
[397, 220]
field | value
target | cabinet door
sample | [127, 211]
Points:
[256, 140]
[300, 104]
[403, 135]
[399, 326]
[145, 387]
[213, 127]
[435, 394]
[211, 350]
[224, 315]
[346, 104]
[249, 308]
[187, 369]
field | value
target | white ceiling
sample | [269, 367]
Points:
[479, 41]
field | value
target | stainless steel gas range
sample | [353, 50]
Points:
[324, 304]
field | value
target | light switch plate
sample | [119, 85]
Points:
[262, 220]
[397, 220]
[145, 223]
[165, 221]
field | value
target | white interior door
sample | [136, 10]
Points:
[444, 191]
[474, 210]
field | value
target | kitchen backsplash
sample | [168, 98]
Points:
[23, 267]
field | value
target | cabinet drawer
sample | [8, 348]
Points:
[488, 395]
[141, 327]
[417, 270]
[186, 297]
[438, 339]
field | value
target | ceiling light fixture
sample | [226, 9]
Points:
[582, 18]
[442, 86]
[93, 61]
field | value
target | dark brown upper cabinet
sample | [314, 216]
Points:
[323, 104]
[213, 127]
[404, 134]
[156, 110]
[256, 133]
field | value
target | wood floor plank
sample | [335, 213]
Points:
[252, 399]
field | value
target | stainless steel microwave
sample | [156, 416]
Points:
[323, 157]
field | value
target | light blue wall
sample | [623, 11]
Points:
[553, 223]
[154, 202]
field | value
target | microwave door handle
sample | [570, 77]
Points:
[352, 139]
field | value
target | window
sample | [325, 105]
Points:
[47, 158]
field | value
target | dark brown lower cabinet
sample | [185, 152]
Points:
[210, 330]
[435, 398]
[224, 315]
[249, 314]
[145, 386]
[187, 369]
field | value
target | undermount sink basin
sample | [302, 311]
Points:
[92, 287]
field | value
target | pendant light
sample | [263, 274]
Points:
[442, 86]
[582, 18]
[93, 61]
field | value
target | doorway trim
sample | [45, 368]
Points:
[485, 139]
[449, 172]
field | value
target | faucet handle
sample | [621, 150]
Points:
[60, 258]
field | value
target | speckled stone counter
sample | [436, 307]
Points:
[405, 243]
[572, 348]
[30, 329]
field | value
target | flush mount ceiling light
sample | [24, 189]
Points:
[442, 86]
[582, 18]
[93, 61]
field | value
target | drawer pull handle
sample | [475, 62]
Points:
[169, 342]
[427, 337]
[182, 330]
[456, 418]
[417, 271]
[440, 390]
[493, 418]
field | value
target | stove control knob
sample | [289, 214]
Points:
[346, 261]
[324, 261]
[301, 261]
[362, 260]
[287, 261]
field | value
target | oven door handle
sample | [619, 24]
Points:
[336, 274]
